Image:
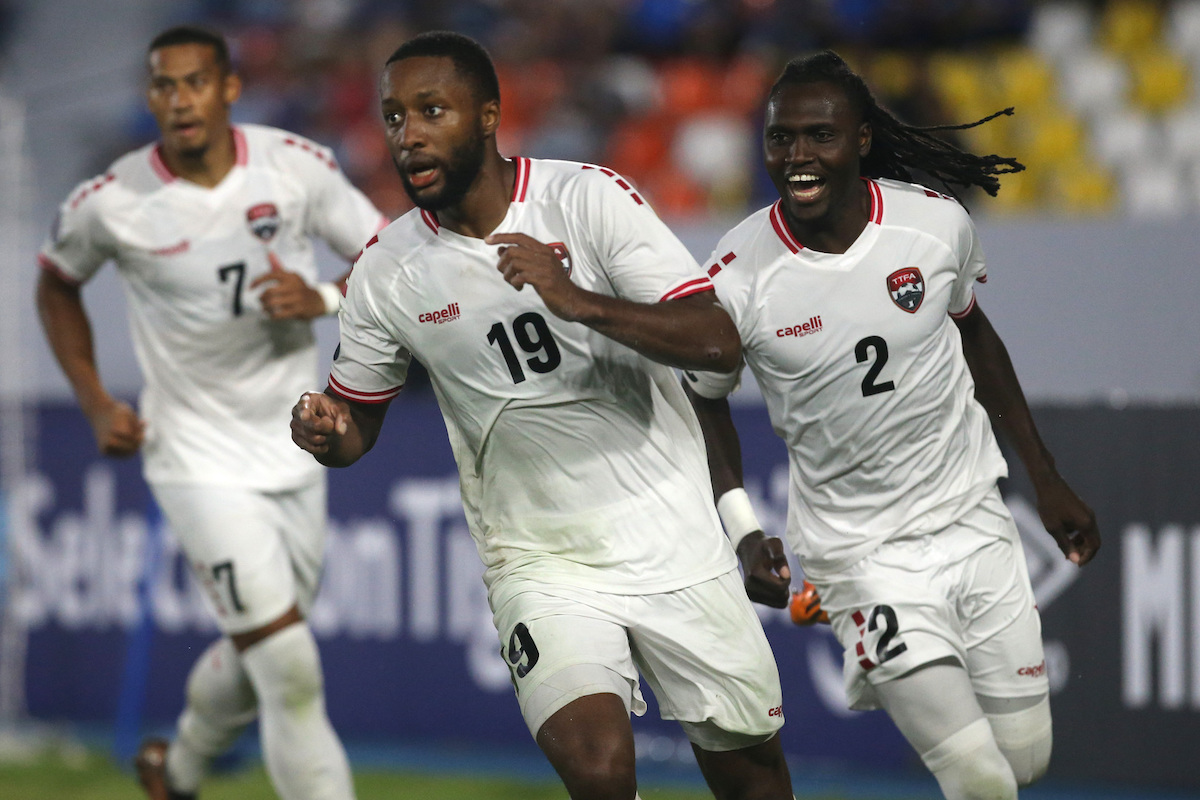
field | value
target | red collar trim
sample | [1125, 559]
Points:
[876, 201]
[159, 165]
[521, 183]
[781, 228]
[240, 148]
[241, 156]
[520, 190]
[785, 234]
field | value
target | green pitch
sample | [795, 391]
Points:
[91, 776]
[94, 777]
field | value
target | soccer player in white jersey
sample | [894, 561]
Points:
[210, 230]
[546, 300]
[854, 298]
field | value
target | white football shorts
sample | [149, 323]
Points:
[963, 592]
[255, 553]
[701, 650]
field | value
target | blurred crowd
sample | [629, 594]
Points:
[667, 92]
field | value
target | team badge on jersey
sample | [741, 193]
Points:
[263, 220]
[560, 250]
[907, 287]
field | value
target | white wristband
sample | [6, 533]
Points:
[737, 515]
[331, 293]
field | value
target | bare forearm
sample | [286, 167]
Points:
[690, 333]
[999, 392]
[721, 441]
[69, 334]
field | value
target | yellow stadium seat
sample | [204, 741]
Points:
[1049, 139]
[892, 74]
[1024, 79]
[1161, 80]
[1129, 26]
[962, 84]
[1019, 192]
[1080, 187]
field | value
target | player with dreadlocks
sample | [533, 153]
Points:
[854, 297]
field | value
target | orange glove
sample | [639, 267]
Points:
[805, 606]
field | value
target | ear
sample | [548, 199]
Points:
[864, 139]
[489, 117]
[231, 89]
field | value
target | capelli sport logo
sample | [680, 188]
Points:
[447, 314]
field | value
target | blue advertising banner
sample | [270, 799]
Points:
[409, 648]
[406, 635]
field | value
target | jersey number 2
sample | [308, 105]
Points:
[876, 343]
[533, 335]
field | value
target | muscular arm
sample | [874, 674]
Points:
[65, 322]
[692, 332]
[1068, 519]
[336, 431]
[764, 563]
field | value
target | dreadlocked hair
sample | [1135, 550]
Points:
[899, 149]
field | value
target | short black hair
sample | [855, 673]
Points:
[898, 149]
[194, 34]
[471, 60]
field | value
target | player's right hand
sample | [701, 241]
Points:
[315, 417]
[765, 569]
[118, 429]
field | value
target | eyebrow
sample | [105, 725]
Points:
[160, 76]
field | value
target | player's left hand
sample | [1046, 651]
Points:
[765, 569]
[287, 296]
[1068, 519]
[524, 261]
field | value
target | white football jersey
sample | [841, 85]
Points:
[220, 377]
[580, 461]
[862, 370]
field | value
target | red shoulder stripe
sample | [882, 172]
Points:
[694, 286]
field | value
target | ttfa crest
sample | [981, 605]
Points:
[263, 220]
[560, 250]
[907, 288]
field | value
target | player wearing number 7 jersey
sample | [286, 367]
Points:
[854, 298]
[210, 230]
[546, 300]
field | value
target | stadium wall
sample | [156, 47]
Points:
[1091, 310]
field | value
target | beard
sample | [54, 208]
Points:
[458, 173]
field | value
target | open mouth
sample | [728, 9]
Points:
[422, 175]
[805, 186]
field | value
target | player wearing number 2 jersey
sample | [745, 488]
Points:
[854, 298]
[210, 229]
[546, 300]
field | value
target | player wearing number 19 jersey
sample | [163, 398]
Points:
[569, 445]
[546, 300]
[210, 231]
